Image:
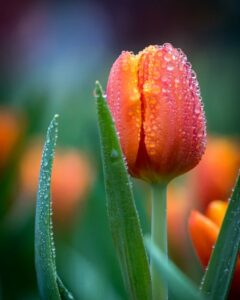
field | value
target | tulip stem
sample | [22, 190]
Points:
[159, 238]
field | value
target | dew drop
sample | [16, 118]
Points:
[167, 57]
[177, 80]
[197, 110]
[170, 67]
[114, 153]
[164, 78]
[168, 46]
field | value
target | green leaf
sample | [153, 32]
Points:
[49, 284]
[44, 245]
[218, 275]
[179, 284]
[90, 272]
[122, 214]
[64, 292]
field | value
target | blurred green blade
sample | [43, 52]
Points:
[123, 217]
[218, 275]
[64, 292]
[44, 246]
[179, 285]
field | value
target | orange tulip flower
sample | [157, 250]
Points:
[72, 177]
[204, 230]
[155, 101]
[11, 129]
[215, 175]
[178, 207]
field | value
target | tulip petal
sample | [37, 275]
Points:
[158, 127]
[174, 124]
[203, 234]
[124, 101]
[216, 211]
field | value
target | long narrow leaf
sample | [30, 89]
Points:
[123, 217]
[64, 292]
[49, 284]
[179, 285]
[44, 249]
[217, 278]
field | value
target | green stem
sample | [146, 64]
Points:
[159, 238]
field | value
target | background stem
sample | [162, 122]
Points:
[159, 238]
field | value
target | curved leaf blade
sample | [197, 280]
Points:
[64, 292]
[179, 284]
[218, 275]
[44, 245]
[122, 214]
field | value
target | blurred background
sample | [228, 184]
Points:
[51, 53]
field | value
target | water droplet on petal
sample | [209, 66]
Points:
[170, 66]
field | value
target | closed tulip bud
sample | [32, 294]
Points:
[155, 101]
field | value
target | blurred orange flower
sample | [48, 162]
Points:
[215, 175]
[155, 101]
[11, 130]
[178, 207]
[72, 178]
[204, 230]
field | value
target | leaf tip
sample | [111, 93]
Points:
[55, 119]
[98, 91]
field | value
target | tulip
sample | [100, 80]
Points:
[215, 175]
[155, 101]
[11, 131]
[178, 208]
[72, 177]
[204, 230]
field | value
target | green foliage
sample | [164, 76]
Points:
[126, 230]
[179, 285]
[49, 284]
[123, 217]
[65, 294]
[218, 275]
